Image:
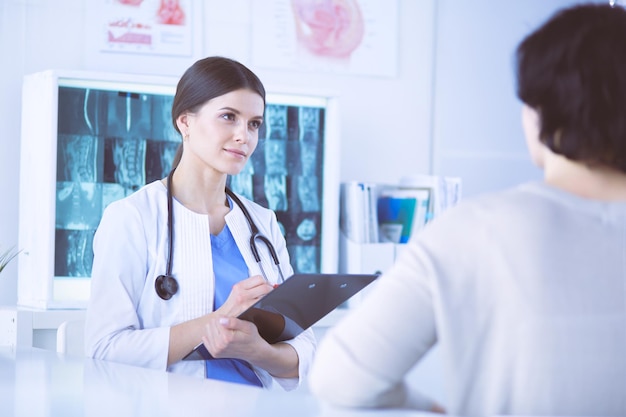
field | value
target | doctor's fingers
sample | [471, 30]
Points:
[243, 327]
[245, 297]
[229, 337]
[253, 285]
[216, 338]
[229, 329]
[251, 282]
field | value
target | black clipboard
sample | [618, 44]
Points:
[295, 305]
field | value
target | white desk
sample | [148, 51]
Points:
[25, 326]
[40, 383]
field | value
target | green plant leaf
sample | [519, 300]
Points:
[7, 256]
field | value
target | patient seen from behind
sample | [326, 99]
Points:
[523, 290]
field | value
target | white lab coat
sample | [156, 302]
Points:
[126, 320]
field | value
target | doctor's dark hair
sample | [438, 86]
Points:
[572, 71]
[209, 78]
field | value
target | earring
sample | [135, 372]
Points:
[186, 137]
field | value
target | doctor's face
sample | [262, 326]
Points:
[222, 135]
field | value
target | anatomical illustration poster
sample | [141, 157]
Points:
[338, 36]
[159, 27]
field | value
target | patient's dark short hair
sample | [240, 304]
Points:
[572, 70]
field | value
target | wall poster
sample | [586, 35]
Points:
[356, 37]
[158, 27]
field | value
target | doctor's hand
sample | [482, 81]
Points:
[229, 337]
[184, 336]
[243, 295]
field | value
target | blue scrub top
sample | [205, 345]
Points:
[230, 268]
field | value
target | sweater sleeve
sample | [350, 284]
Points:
[363, 360]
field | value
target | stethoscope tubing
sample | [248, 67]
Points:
[166, 285]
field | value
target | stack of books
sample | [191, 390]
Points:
[375, 213]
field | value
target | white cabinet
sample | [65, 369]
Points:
[23, 326]
[365, 258]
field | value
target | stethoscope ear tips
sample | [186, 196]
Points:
[166, 286]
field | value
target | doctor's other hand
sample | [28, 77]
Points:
[243, 295]
[230, 337]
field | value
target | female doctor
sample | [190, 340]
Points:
[166, 279]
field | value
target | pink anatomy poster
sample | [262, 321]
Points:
[337, 36]
[159, 27]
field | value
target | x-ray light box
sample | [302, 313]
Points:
[89, 139]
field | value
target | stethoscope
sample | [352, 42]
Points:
[166, 285]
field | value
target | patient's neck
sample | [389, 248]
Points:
[597, 183]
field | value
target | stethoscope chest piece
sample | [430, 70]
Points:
[166, 286]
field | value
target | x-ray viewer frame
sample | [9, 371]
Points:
[50, 278]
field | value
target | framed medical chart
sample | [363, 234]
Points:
[356, 37]
[146, 27]
[143, 36]
[100, 137]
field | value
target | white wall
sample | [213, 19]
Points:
[477, 132]
[466, 109]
